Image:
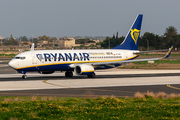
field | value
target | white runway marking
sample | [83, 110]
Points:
[82, 83]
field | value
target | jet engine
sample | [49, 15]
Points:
[84, 69]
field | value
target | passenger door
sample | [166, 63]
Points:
[34, 60]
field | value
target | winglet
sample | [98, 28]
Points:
[169, 52]
[32, 47]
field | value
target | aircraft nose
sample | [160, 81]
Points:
[12, 63]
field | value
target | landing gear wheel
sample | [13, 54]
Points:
[92, 75]
[24, 77]
[69, 74]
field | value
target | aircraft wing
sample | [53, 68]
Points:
[140, 52]
[126, 61]
[137, 60]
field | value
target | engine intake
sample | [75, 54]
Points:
[84, 69]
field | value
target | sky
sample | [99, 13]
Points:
[59, 18]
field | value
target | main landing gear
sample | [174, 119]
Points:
[91, 76]
[69, 74]
[24, 76]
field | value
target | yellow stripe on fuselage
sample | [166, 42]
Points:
[89, 71]
[73, 62]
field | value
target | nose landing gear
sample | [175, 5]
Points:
[24, 76]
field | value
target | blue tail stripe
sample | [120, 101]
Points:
[132, 39]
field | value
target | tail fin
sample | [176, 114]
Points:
[132, 38]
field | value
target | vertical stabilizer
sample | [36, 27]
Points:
[132, 38]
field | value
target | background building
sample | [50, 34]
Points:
[66, 42]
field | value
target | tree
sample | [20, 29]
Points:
[23, 38]
[84, 41]
[11, 41]
[150, 40]
[113, 42]
[170, 36]
[44, 37]
[35, 41]
[53, 39]
[170, 31]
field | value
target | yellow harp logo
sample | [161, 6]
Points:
[135, 34]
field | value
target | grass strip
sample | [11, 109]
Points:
[92, 108]
[7, 55]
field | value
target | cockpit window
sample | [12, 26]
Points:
[17, 58]
[22, 58]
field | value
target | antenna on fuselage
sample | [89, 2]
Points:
[32, 47]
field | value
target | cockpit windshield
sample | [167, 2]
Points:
[22, 58]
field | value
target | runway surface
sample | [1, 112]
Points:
[113, 82]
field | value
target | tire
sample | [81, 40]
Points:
[24, 77]
[69, 74]
[92, 75]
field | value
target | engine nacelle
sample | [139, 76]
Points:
[84, 69]
[46, 72]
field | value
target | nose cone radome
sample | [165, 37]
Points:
[12, 63]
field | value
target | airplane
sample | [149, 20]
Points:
[82, 62]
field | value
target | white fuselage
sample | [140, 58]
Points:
[59, 60]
